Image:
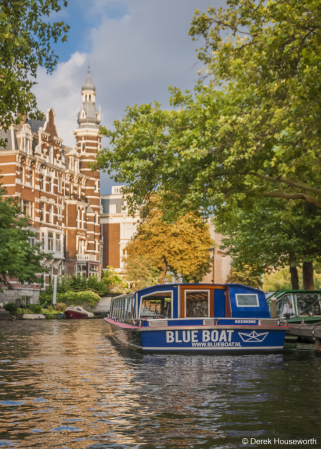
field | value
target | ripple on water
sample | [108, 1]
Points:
[123, 399]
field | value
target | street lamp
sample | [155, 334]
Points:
[212, 249]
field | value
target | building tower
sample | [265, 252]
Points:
[88, 141]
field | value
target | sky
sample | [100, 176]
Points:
[136, 49]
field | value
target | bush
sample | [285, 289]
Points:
[61, 307]
[19, 311]
[79, 298]
[35, 308]
[10, 307]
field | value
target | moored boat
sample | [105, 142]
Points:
[77, 313]
[195, 317]
[297, 306]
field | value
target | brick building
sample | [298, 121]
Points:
[57, 189]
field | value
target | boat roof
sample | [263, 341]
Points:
[280, 293]
[197, 284]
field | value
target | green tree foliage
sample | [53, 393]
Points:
[281, 280]
[253, 130]
[73, 284]
[270, 234]
[26, 37]
[180, 246]
[141, 271]
[114, 283]
[85, 298]
[18, 259]
[246, 276]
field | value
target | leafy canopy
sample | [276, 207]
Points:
[270, 234]
[26, 37]
[253, 130]
[181, 246]
[18, 258]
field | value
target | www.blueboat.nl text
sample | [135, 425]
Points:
[280, 441]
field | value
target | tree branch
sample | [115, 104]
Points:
[293, 196]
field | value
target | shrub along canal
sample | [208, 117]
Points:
[65, 384]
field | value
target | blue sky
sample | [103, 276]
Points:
[135, 48]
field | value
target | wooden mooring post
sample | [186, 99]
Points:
[307, 331]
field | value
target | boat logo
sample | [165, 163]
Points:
[253, 337]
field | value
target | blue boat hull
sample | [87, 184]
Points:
[201, 338]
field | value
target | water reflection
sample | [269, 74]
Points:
[66, 385]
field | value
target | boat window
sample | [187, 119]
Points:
[156, 305]
[130, 301]
[247, 300]
[308, 303]
[284, 306]
[197, 303]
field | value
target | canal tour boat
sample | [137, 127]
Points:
[195, 317]
[297, 306]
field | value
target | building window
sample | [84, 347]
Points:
[95, 218]
[42, 212]
[58, 243]
[81, 246]
[41, 179]
[21, 175]
[83, 147]
[31, 178]
[32, 241]
[112, 208]
[42, 240]
[59, 185]
[83, 219]
[50, 275]
[27, 208]
[50, 154]
[96, 186]
[50, 184]
[50, 241]
[50, 213]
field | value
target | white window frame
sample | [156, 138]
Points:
[160, 291]
[252, 294]
[208, 303]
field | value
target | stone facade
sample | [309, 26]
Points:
[117, 228]
[57, 189]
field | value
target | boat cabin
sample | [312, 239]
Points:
[191, 304]
[297, 304]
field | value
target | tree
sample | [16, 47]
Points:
[141, 271]
[254, 130]
[113, 282]
[19, 260]
[246, 276]
[181, 246]
[270, 235]
[70, 286]
[26, 37]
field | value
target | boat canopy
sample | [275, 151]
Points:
[191, 301]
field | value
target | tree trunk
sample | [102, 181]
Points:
[307, 274]
[163, 273]
[294, 277]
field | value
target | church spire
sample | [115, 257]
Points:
[89, 115]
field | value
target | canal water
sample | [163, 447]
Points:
[65, 384]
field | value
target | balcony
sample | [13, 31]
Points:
[86, 258]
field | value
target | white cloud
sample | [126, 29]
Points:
[133, 60]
